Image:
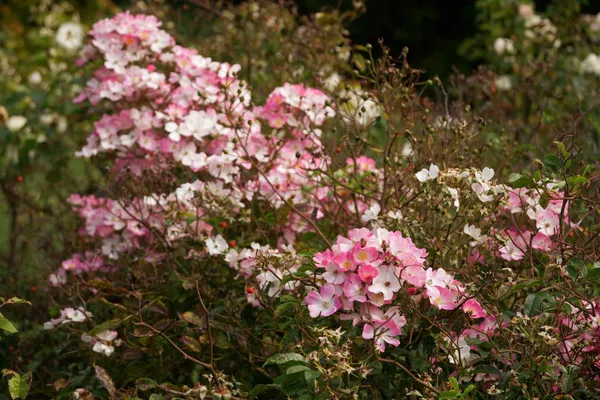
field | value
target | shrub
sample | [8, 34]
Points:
[348, 240]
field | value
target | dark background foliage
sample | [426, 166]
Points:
[432, 29]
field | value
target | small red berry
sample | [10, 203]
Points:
[19, 179]
[223, 224]
[250, 290]
[33, 289]
[11, 349]
[232, 243]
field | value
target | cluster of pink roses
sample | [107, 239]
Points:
[581, 335]
[368, 270]
[172, 104]
[547, 221]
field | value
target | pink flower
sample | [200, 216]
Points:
[354, 289]
[384, 333]
[547, 221]
[367, 273]
[443, 298]
[323, 258]
[345, 261]
[365, 254]
[415, 275]
[323, 303]
[473, 308]
[363, 163]
[333, 274]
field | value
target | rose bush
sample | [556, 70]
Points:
[358, 236]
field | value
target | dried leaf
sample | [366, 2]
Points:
[106, 381]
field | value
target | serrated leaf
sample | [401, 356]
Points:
[283, 358]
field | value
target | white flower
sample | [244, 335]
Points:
[371, 213]
[216, 246]
[503, 45]
[406, 149]
[485, 175]
[454, 193]
[107, 335]
[462, 351]
[425, 175]
[503, 83]
[100, 347]
[595, 25]
[332, 82]
[475, 233]
[16, 122]
[69, 36]
[395, 215]
[356, 106]
[198, 124]
[35, 78]
[86, 338]
[74, 315]
[591, 64]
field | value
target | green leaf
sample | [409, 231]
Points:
[519, 181]
[535, 301]
[593, 274]
[296, 368]
[191, 343]
[18, 385]
[487, 369]
[283, 308]
[144, 384]
[454, 383]
[6, 325]
[16, 300]
[452, 394]
[193, 318]
[283, 358]
[291, 335]
[576, 268]
[563, 150]
[107, 325]
[261, 388]
[553, 163]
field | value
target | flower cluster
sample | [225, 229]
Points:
[175, 105]
[267, 267]
[103, 341]
[68, 315]
[367, 271]
[547, 219]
